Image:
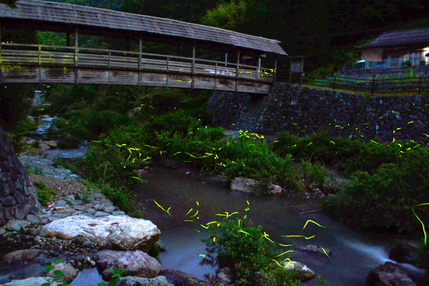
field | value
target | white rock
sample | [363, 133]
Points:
[305, 272]
[249, 185]
[69, 272]
[121, 232]
[33, 281]
[132, 263]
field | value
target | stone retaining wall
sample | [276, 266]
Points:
[301, 110]
[17, 195]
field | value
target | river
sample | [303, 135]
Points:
[354, 253]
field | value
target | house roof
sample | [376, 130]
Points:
[68, 14]
[417, 36]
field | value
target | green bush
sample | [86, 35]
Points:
[384, 200]
[314, 175]
[88, 125]
[17, 136]
[44, 194]
[250, 251]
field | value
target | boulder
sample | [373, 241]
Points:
[137, 281]
[249, 185]
[305, 272]
[388, 275]
[118, 232]
[180, 278]
[132, 263]
[33, 281]
[14, 225]
[69, 272]
[403, 253]
[315, 249]
[22, 256]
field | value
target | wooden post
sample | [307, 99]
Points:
[168, 67]
[40, 64]
[237, 71]
[193, 65]
[275, 70]
[215, 78]
[108, 70]
[76, 44]
[140, 59]
[68, 37]
[1, 60]
[226, 59]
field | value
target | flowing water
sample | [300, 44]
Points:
[354, 254]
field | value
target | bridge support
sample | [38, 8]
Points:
[237, 71]
[76, 70]
[140, 60]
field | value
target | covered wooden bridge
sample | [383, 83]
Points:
[72, 64]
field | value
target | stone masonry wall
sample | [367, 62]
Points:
[17, 194]
[301, 110]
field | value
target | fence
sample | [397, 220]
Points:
[411, 85]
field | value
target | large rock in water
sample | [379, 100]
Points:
[33, 281]
[136, 263]
[18, 197]
[304, 272]
[137, 281]
[388, 275]
[117, 232]
[180, 278]
[249, 185]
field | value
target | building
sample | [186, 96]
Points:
[396, 49]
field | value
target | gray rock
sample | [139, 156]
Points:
[69, 272]
[33, 281]
[388, 274]
[61, 203]
[316, 249]
[121, 232]
[180, 278]
[109, 209]
[249, 185]
[118, 213]
[2, 231]
[91, 211]
[22, 256]
[136, 263]
[137, 281]
[305, 272]
[100, 214]
[14, 225]
[403, 254]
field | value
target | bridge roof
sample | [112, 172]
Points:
[68, 14]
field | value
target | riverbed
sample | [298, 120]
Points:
[354, 253]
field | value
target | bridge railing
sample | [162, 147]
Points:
[62, 56]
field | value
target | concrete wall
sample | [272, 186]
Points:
[302, 110]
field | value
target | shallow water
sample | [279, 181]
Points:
[354, 253]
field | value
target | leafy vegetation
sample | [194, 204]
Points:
[44, 194]
[249, 250]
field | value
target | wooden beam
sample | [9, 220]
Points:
[140, 58]
[76, 63]
[275, 70]
[1, 61]
[237, 71]
[193, 65]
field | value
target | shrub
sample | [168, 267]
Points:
[245, 245]
[17, 136]
[88, 125]
[314, 175]
[384, 200]
[44, 194]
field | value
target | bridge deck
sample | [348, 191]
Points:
[25, 63]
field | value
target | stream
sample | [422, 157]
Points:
[354, 253]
